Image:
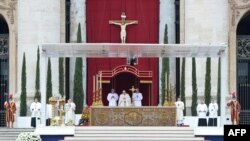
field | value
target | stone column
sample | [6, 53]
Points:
[78, 15]
[167, 16]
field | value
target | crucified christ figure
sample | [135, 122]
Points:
[123, 23]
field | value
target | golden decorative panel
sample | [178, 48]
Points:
[133, 116]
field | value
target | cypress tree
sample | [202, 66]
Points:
[165, 70]
[208, 82]
[38, 94]
[78, 85]
[219, 85]
[61, 77]
[23, 104]
[49, 82]
[194, 88]
[183, 96]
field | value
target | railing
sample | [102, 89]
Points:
[2, 119]
[245, 117]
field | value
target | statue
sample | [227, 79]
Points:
[123, 23]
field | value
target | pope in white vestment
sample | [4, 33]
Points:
[179, 111]
[70, 108]
[202, 114]
[213, 113]
[35, 109]
[137, 98]
[112, 98]
[124, 99]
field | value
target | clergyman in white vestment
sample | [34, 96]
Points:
[202, 114]
[124, 99]
[213, 113]
[137, 98]
[179, 111]
[112, 98]
[35, 109]
[70, 108]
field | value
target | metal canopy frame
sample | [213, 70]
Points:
[131, 50]
[117, 50]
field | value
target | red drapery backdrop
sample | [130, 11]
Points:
[98, 14]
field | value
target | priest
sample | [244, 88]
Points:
[70, 108]
[202, 114]
[213, 113]
[112, 98]
[35, 109]
[124, 99]
[137, 98]
[179, 111]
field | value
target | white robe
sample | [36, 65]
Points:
[112, 99]
[213, 110]
[48, 111]
[35, 109]
[124, 100]
[137, 98]
[202, 110]
[70, 112]
[179, 110]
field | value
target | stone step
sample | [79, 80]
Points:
[135, 135]
[132, 132]
[10, 134]
[122, 128]
[131, 139]
[3, 138]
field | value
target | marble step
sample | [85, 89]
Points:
[10, 134]
[135, 135]
[132, 128]
[131, 139]
[132, 132]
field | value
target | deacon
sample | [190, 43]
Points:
[179, 111]
[69, 109]
[112, 98]
[213, 113]
[124, 99]
[137, 98]
[202, 113]
[35, 109]
[10, 107]
[235, 109]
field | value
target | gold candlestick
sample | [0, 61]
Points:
[61, 104]
[53, 102]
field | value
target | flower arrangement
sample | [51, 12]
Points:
[28, 136]
[70, 123]
[54, 122]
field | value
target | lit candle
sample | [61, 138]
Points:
[100, 80]
[93, 83]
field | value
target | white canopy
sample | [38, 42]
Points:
[131, 50]
[134, 50]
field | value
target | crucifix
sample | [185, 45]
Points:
[133, 89]
[123, 23]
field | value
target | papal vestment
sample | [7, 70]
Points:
[124, 100]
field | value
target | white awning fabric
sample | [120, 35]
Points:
[118, 50]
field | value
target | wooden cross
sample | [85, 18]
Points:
[133, 89]
[123, 23]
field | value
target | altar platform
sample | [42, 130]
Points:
[133, 116]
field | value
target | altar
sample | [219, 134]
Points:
[133, 116]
